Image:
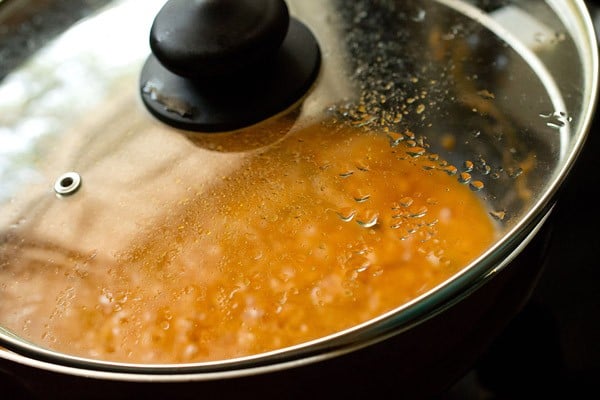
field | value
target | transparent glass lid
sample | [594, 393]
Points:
[435, 133]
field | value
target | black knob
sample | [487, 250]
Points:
[214, 38]
[224, 64]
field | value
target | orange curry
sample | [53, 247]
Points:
[326, 229]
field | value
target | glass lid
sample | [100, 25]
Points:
[161, 213]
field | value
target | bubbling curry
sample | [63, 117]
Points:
[323, 230]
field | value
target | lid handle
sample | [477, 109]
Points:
[220, 65]
[216, 38]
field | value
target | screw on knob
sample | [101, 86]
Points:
[225, 64]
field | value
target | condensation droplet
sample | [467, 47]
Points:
[360, 196]
[450, 170]
[464, 177]
[325, 165]
[499, 215]
[476, 186]
[419, 212]
[486, 94]
[406, 201]
[395, 138]
[432, 223]
[420, 16]
[514, 173]
[368, 219]
[399, 215]
[346, 214]
[416, 151]
[557, 119]
[361, 165]
[397, 225]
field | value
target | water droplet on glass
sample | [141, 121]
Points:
[363, 267]
[557, 119]
[464, 177]
[395, 138]
[432, 223]
[476, 186]
[486, 94]
[368, 219]
[410, 135]
[360, 196]
[514, 173]
[363, 250]
[416, 151]
[420, 16]
[469, 166]
[362, 165]
[406, 201]
[397, 225]
[450, 170]
[399, 215]
[499, 215]
[325, 165]
[419, 212]
[346, 214]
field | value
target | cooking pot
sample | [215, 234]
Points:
[106, 140]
